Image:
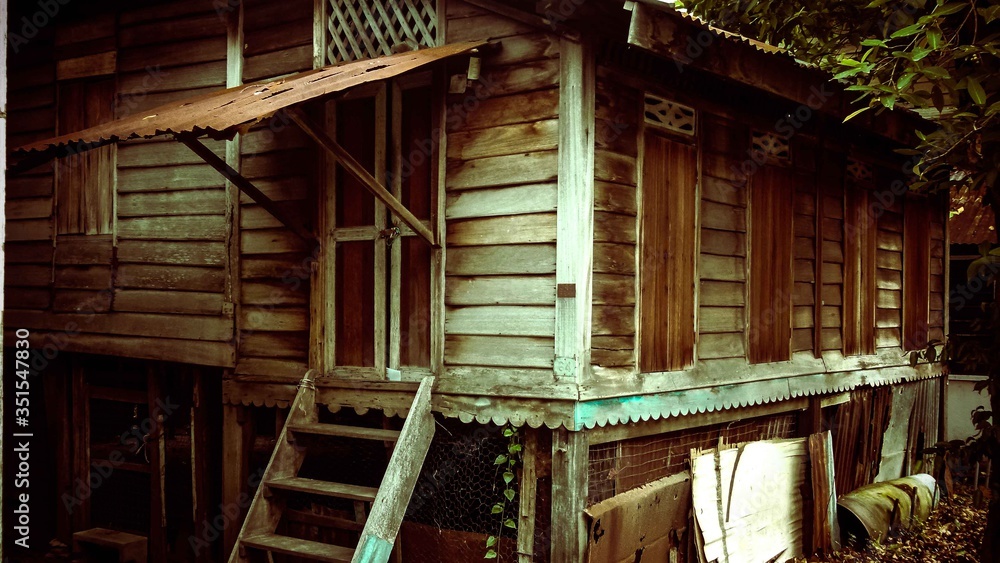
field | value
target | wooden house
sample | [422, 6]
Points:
[607, 225]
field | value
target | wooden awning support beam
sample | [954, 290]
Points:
[245, 186]
[354, 168]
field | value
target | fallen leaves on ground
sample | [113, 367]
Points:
[952, 534]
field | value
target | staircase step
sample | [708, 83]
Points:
[325, 488]
[300, 548]
[346, 431]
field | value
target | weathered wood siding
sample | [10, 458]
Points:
[806, 178]
[889, 260]
[814, 212]
[832, 228]
[172, 210]
[935, 323]
[156, 286]
[501, 198]
[615, 230]
[273, 317]
[28, 256]
[722, 284]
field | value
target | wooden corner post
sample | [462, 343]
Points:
[575, 211]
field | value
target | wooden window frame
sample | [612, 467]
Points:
[88, 170]
[387, 258]
[690, 355]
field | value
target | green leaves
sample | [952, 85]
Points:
[905, 80]
[505, 464]
[936, 72]
[856, 113]
[949, 9]
[907, 31]
[976, 91]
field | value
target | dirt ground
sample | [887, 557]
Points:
[951, 535]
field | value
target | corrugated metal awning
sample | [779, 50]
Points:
[224, 113]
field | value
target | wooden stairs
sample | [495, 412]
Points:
[258, 541]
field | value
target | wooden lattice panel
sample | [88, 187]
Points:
[366, 29]
[771, 145]
[858, 170]
[669, 115]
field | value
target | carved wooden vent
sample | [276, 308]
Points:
[858, 170]
[771, 145]
[669, 115]
[366, 29]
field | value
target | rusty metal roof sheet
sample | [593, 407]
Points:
[223, 113]
[971, 220]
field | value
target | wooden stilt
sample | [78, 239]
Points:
[570, 453]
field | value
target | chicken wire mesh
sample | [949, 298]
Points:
[623, 465]
[450, 515]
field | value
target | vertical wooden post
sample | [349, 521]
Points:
[381, 222]
[570, 455]
[157, 465]
[3, 204]
[575, 212]
[527, 496]
[318, 276]
[320, 17]
[200, 463]
[237, 437]
[943, 409]
[81, 443]
[439, 121]
[56, 382]
[396, 250]
[234, 77]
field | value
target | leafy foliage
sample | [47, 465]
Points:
[506, 465]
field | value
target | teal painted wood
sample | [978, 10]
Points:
[373, 549]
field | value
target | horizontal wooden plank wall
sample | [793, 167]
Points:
[889, 260]
[171, 207]
[29, 252]
[832, 272]
[804, 157]
[501, 198]
[722, 285]
[615, 197]
[277, 38]
[282, 162]
[937, 283]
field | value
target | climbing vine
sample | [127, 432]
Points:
[506, 465]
